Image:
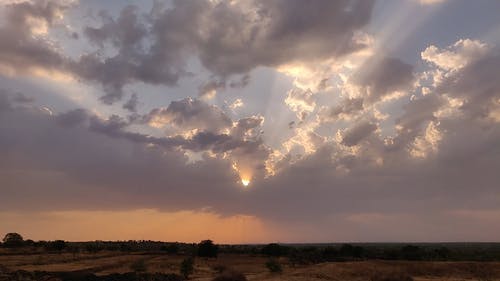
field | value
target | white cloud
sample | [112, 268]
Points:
[457, 55]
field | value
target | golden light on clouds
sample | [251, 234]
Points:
[245, 173]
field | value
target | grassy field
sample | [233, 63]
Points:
[252, 266]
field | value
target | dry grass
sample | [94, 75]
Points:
[254, 267]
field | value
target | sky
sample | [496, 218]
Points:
[250, 121]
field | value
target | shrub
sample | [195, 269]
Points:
[187, 267]
[274, 266]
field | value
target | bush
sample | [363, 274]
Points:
[187, 267]
[207, 248]
[274, 266]
[139, 266]
[230, 275]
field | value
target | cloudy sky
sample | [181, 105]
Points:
[250, 120]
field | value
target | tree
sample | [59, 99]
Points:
[13, 240]
[207, 248]
[187, 267]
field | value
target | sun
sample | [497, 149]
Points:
[245, 182]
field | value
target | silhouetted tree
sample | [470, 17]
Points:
[13, 240]
[207, 248]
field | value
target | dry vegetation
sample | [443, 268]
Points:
[253, 267]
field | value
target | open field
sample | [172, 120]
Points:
[252, 266]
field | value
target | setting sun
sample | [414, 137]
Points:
[245, 182]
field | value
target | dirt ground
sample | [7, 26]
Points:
[252, 266]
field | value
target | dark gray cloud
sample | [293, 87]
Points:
[382, 76]
[277, 32]
[344, 110]
[21, 98]
[210, 88]
[21, 50]
[189, 114]
[245, 125]
[416, 116]
[132, 103]
[5, 103]
[358, 132]
[228, 38]
[477, 84]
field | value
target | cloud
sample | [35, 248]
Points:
[381, 77]
[301, 102]
[229, 38]
[189, 114]
[240, 37]
[457, 55]
[132, 103]
[344, 110]
[86, 162]
[477, 86]
[248, 126]
[209, 89]
[357, 133]
[23, 48]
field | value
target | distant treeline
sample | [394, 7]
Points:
[296, 253]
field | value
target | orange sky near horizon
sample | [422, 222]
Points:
[144, 224]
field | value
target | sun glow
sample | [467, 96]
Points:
[245, 182]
